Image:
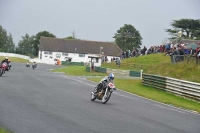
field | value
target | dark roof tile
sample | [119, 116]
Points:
[82, 46]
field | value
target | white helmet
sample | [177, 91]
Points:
[6, 57]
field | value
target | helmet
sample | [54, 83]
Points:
[111, 76]
[6, 58]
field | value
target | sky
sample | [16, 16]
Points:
[96, 20]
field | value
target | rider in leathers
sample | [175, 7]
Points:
[5, 60]
[104, 82]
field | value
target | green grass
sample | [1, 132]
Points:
[135, 87]
[159, 64]
[2, 130]
[14, 59]
[78, 71]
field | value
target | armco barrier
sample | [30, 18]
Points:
[72, 63]
[87, 69]
[100, 69]
[135, 73]
[176, 86]
[118, 72]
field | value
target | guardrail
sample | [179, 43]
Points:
[185, 58]
[175, 86]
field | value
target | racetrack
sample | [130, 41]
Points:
[39, 101]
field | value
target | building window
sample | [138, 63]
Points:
[64, 54]
[81, 55]
[48, 52]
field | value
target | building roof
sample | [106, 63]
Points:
[78, 46]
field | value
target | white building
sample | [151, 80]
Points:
[76, 50]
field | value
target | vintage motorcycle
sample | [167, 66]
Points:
[104, 93]
[9, 65]
[3, 68]
[34, 65]
[27, 64]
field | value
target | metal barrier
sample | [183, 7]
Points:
[87, 69]
[185, 58]
[100, 69]
[72, 63]
[176, 86]
[135, 73]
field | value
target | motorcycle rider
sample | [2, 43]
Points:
[34, 63]
[103, 83]
[5, 60]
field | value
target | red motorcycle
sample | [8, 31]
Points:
[3, 68]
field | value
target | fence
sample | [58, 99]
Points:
[176, 86]
[185, 58]
[72, 63]
[119, 72]
[87, 69]
[126, 65]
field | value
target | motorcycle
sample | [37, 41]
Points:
[9, 65]
[104, 93]
[3, 68]
[34, 65]
[27, 65]
[1, 71]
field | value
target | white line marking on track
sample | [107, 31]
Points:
[169, 108]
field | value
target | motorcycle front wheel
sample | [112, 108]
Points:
[106, 97]
[1, 72]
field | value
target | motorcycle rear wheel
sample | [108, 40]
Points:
[92, 97]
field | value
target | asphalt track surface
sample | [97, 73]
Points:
[40, 101]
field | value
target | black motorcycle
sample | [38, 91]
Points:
[104, 93]
[27, 65]
[34, 65]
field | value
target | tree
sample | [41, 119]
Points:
[189, 27]
[6, 41]
[73, 36]
[10, 45]
[70, 37]
[128, 37]
[3, 38]
[37, 38]
[26, 45]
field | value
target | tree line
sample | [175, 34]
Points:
[126, 37]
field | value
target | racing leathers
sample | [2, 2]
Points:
[103, 83]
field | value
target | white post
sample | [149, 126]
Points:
[141, 73]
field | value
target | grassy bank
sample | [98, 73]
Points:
[135, 87]
[2, 130]
[14, 59]
[159, 64]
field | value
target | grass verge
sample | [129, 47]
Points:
[78, 71]
[135, 87]
[158, 64]
[2, 130]
[14, 59]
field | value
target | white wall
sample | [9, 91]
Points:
[75, 57]
[14, 55]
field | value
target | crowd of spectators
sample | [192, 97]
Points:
[178, 49]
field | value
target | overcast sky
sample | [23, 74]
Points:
[96, 20]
